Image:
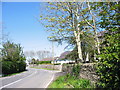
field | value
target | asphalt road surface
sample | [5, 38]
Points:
[33, 78]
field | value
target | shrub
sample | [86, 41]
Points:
[21, 66]
[7, 67]
[44, 62]
[13, 59]
[57, 64]
[109, 63]
[76, 70]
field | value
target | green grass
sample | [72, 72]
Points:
[70, 82]
[43, 68]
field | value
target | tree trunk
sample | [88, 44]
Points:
[77, 35]
[98, 45]
[87, 57]
[95, 56]
[97, 42]
[77, 32]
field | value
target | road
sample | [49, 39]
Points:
[33, 78]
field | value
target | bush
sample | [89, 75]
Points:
[76, 70]
[109, 62]
[57, 64]
[13, 59]
[44, 62]
[22, 66]
[9, 67]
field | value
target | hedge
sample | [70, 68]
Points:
[44, 62]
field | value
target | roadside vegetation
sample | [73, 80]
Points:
[43, 68]
[13, 59]
[72, 80]
[40, 62]
[91, 29]
[69, 81]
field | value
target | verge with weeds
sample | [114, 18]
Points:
[69, 81]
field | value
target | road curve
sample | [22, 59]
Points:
[33, 78]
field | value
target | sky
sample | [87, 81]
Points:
[20, 23]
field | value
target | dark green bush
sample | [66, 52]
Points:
[7, 67]
[22, 66]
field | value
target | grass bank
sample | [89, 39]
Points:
[68, 81]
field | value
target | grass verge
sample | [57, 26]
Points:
[70, 82]
[43, 68]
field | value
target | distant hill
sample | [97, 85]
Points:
[62, 56]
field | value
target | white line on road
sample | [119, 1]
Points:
[18, 80]
[50, 80]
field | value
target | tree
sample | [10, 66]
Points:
[109, 63]
[93, 22]
[65, 20]
[87, 44]
[13, 59]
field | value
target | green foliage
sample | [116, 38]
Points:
[22, 66]
[80, 83]
[87, 44]
[13, 59]
[66, 22]
[7, 66]
[37, 62]
[44, 62]
[33, 61]
[109, 64]
[68, 81]
[57, 64]
[108, 16]
[76, 70]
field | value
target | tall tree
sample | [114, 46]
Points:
[66, 20]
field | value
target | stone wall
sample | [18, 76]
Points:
[67, 68]
[87, 71]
